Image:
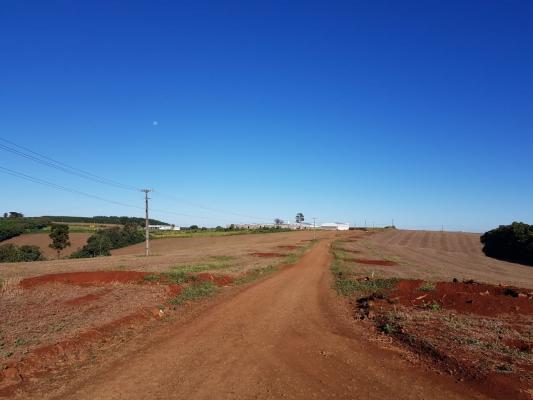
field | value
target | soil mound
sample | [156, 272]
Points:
[476, 298]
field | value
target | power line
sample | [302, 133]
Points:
[43, 182]
[180, 200]
[60, 187]
[52, 163]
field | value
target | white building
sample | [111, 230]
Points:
[164, 227]
[335, 226]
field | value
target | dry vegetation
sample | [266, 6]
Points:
[426, 296]
[56, 313]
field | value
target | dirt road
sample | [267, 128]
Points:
[280, 338]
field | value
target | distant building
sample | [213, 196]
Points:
[163, 227]
[335, 226]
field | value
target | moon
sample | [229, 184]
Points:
[155, 123]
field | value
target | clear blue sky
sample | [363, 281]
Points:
[419, 111]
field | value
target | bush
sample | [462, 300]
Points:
[12, 253]
[510, 243]
[11, 227]
[102, 242]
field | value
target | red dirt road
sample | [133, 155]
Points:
[284, 337]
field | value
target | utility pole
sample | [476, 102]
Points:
[314, 228]
[147, 222]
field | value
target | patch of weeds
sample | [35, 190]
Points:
[255, 274]
[194, 292]
[428, 287]
[152, 278]
[8, 354]
[223, 259]
[504, 368]
[20, 342]
[433, 306]
[1, 283]
[199, 267]
[348, 287]
[178, 277]
[122, 267]
[390, 323]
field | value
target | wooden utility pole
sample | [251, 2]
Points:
[147, 222]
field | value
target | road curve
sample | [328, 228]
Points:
[277, 339]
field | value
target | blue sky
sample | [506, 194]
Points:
[346, 111]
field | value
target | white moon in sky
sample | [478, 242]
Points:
[155, 123]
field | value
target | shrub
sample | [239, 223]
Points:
[12, 253]
[105, 240]
[11, 227]
[510, 242]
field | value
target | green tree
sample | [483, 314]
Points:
[299, 218]
[60, 238]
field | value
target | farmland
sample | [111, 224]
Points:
[109, 320]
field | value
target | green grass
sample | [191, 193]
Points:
[348, 287]
[200, 267]
[345, 282]
[434, 306]
[195, 292]
[427, 287]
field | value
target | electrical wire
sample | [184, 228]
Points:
[52, 163]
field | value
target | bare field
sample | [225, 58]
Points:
[42, 240]
[442, 255]
[439, 296]
[66, 314]
[56, 309]
[172, 252]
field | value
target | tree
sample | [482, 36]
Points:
[299, 218]
[193, 227]
[278, 221]
[5, 215]
[14, 214]
[510, 242]
[60, 238]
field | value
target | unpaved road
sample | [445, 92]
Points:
[280, 338]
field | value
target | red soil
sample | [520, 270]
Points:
[87, 298]
[289, 247]
[385, 263]
[268, 254]
[219, 280]
[174, 290]
[476, 298]
[89, 278]
[45, 359]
